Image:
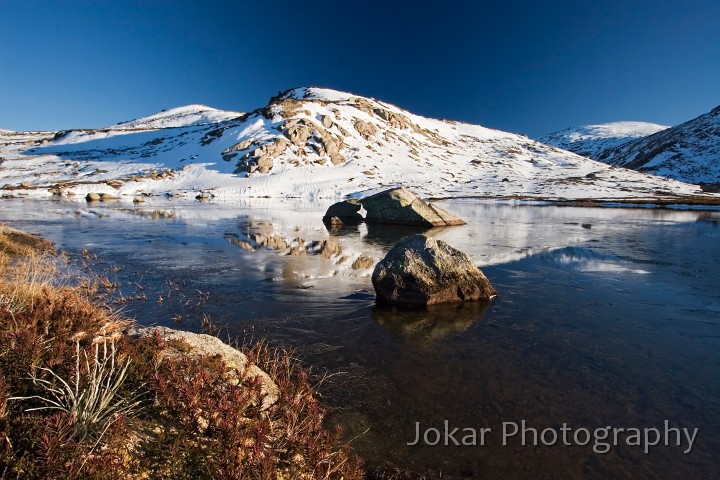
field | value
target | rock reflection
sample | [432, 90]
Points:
[344, 230]
[431, 323]
[297, 246]
[300, 255]
[389, 235]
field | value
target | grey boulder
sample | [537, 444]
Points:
[421, 271]
[399, 206]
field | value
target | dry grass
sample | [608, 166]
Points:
[69, 383]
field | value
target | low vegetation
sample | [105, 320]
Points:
[81, 399]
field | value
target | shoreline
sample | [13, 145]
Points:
[675, 202]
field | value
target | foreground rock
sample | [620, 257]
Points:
[421, 271]
[399, 206]
[16, 241]
[208, 346]
[346, 212]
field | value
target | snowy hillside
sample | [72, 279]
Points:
[689, 152]
[591, 140]
[312, 142]
[179, 117]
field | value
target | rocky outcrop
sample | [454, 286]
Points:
[238, 366]
[300, 138]
[422, 271]
[366, 129]
[399, 206]
[297, 131]
[327, 121]
[343, 213]
[259, 159]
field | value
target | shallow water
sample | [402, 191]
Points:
[606, 317]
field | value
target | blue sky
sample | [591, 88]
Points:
[523, 66]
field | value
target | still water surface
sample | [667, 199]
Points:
[606, 317]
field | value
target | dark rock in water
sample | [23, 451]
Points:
[423, 271]
[399, 206]
[343, 213]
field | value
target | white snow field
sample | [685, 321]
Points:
[311, 143]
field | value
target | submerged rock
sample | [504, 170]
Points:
[431, 323]
[399, 206]
[421, 271]
[343, 213]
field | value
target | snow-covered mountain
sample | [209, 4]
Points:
[313, 142]
[591, 140]
[178, 117]
[689, 152]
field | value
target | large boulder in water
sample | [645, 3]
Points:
[399, 206]
[423, 271]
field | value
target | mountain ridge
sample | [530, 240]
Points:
[688, 152]
[592, 140]
[316, 142]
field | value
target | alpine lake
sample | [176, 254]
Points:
[607, 318]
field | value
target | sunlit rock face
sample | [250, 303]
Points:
[399, 206]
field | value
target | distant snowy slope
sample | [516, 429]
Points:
[179, 117]
[689, 152]
[591, 140]
[314, 142]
